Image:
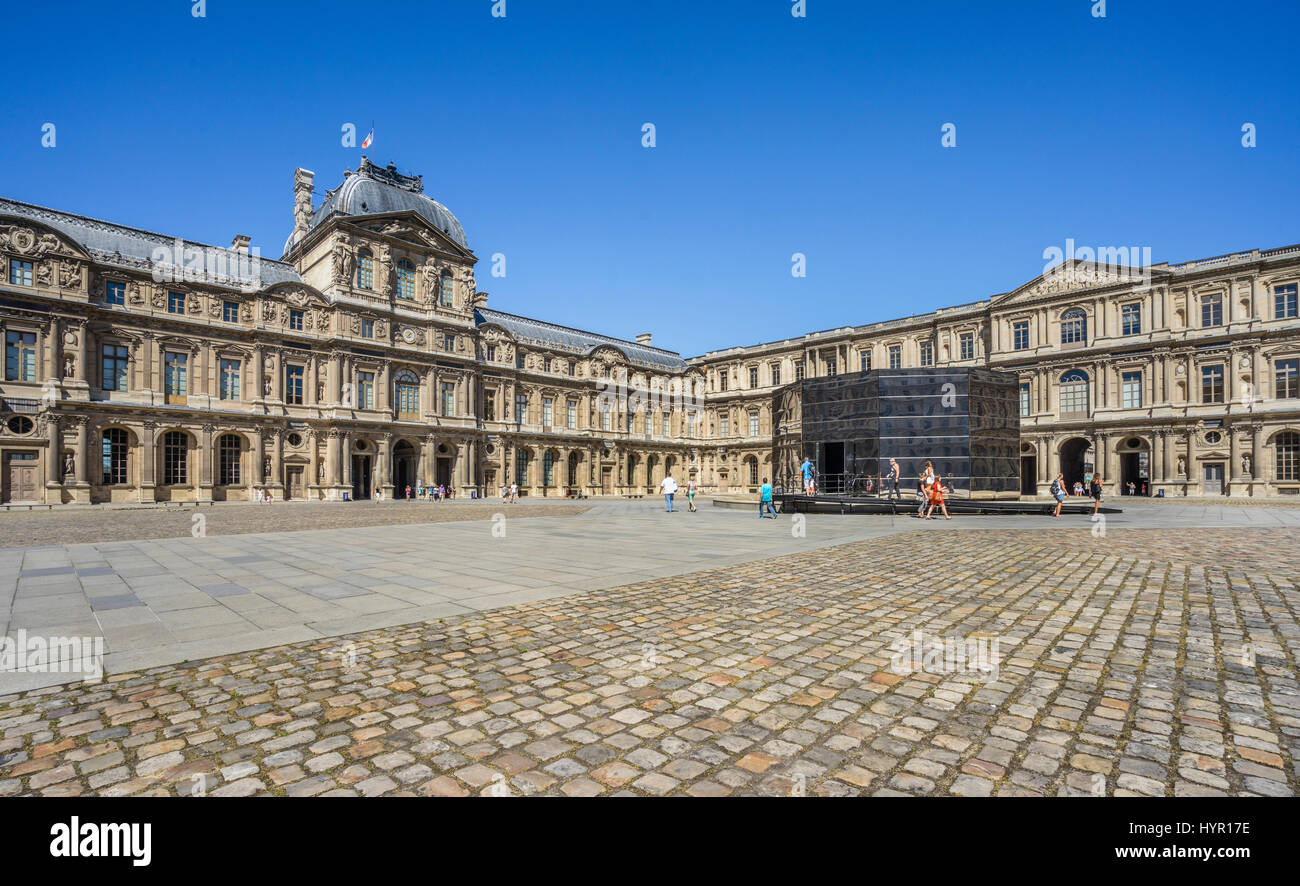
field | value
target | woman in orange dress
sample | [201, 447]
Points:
[936, 498]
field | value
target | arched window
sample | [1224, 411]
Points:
[521, 467]
[1074, 394]
[548, 468]
[365, 270]
[573, 468]
[115, 441]
[406, 394]
[228, 451]
[405, 280]
[1288, 456]
[175, 466]
[444, 288]
[1074, 326]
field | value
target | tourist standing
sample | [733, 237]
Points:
[806, 469]
[669, 488]
[1095, 490]
[514, 493]
[895, 475]
[1058, 492]
[765, 500]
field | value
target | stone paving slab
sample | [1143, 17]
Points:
[1140, 664]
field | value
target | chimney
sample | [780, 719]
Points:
[302, 201]
[240, 243]
[643, 338]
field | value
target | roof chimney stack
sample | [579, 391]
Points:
[240, 243]
[643, 338]
[302, 198]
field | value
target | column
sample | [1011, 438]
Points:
[53, 458]
[203, 492]
[345, 444]
[259, 387]
[332, 458]
[1232, 476]
[148, 461]
[255, 477]
[83, 452]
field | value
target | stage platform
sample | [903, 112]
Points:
[845, 504]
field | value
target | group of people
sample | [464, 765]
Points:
[441, 492]
[668, 486]
[929, 493]
[1091, 483]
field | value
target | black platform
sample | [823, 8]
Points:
[845, 504]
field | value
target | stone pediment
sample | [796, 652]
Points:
[411, 227]
[1075, 276]
[33, 242]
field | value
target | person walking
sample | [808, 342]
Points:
[895, 474]
[669, 488]
[922, 496]
[806, 469]
[1095, 491]
[514, 493]
[765, 500]
[691, 488]
[936, 499]
[1058, 492]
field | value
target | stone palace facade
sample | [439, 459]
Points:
[141, 367]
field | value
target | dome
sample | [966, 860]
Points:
[372, 189]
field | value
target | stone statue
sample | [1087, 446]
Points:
[69, 367]
[68, 464]
[320, 472]
[1182, 466]
[266, 467]
[1246, 466]
[320, 393]
[266, 387]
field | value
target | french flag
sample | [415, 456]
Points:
[369, 138]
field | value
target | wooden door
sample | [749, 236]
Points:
[21, 477]
[294, 483]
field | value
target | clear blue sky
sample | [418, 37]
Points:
[775, 135]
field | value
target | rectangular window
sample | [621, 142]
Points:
[295, 320]
[230, 379]
[20, 272]
[1074, 398]
[571, 414]
[667, 425]
[175, 303]
[114, 448]
[519, 359]
[175, 376]
[927, 354]
[798, 370]
[113, 376]
[444, 290]
[1130, 319]
[1020, 335]
[448, 398]
[20, 356]
[365, 390]
[1212, 384]
[1131, 390]
[723, 377]
[573, 368]
[546, 364]
[604, 418]
[724, 425]
[491, 353]
[753, 424]
[548, 411]
[864, 361]
[230, 311]
[1212, 310]
[776, 373]
[690, 425]
[521, 408]
[293, 379]
[114, 293]
[895, 356]
[490, 407]
[1286, 378]
[967, 341]
[449, 343]
[753, 376]
[831, 367]
[1024, 398]
[1284, 302]
[367, 328]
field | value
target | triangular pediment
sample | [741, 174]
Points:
[411, 227]
[1076, 276]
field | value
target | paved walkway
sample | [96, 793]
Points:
[1149, 663]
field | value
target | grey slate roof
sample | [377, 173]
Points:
[133, 248]
[373, 190]
[539, 333]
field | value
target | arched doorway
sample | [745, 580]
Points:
[1075, 460]
[1134, 466]
[403, 468]
[1028, 469]
[442, 465]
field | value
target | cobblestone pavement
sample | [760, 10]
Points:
[1145, 663]
[94, 526]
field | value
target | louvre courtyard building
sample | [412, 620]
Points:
[141, 367]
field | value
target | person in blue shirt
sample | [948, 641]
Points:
[807, 470]
[765, 500]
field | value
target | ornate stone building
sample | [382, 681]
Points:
[141, 367]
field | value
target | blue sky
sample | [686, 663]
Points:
[775, 135]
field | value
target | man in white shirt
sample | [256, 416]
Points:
[669, 488]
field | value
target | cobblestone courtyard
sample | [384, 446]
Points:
[1149, 662]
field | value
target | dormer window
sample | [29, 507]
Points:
[1074, 327]
[444, 288]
